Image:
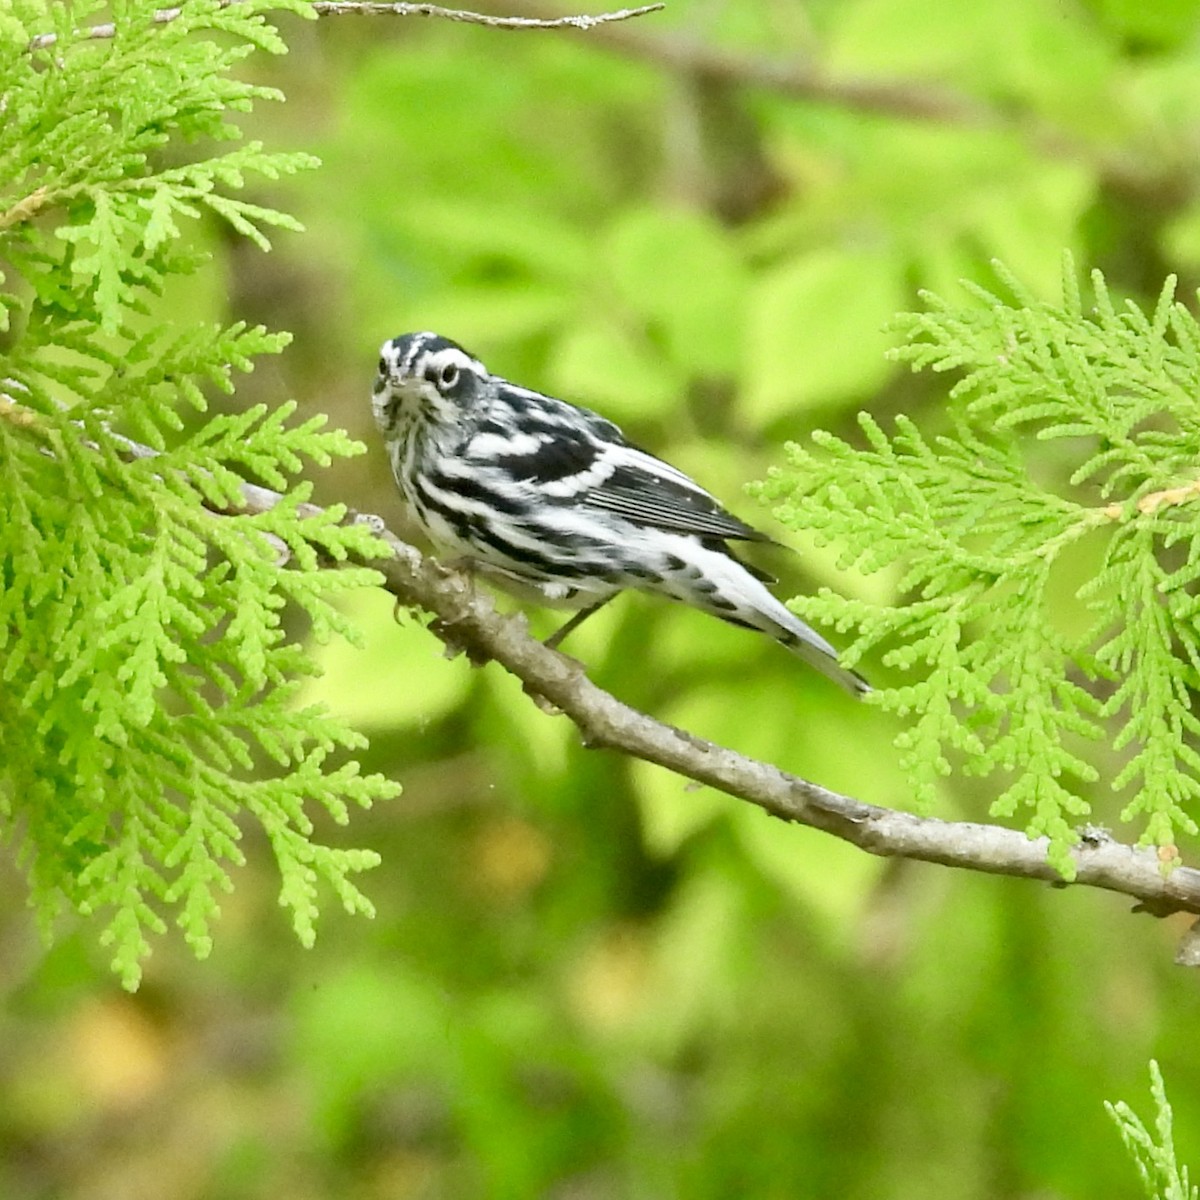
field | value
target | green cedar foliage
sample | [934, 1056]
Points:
[1072, 435]
[147, 701]
[1159, 1170]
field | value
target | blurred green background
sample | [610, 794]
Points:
[588, 980]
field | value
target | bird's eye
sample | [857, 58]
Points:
[449, 375]
[383, 367]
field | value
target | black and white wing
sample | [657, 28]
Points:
[572, 455]
[648, 491]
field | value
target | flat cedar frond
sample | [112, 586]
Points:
[1153, 1151]
[149, 687]
[978, 520]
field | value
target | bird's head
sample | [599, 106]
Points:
[424, 377]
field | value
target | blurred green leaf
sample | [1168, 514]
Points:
[938, 38]
[487, 315]
[1031, 222]
[541, 244]
[600, 364]
[673, 810]
[359, 1030]
[680, 271]
[1164, 24]
[832, 880]
[816, 331]
[1026, 47]
[398, 675]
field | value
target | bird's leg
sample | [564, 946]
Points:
[464, 564]
[578, 619]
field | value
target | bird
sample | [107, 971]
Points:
[551, 502]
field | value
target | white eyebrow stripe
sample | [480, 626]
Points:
[434, 363]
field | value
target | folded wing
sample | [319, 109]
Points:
[648, 491]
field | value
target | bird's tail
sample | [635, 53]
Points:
[817, 652]
[741, 597]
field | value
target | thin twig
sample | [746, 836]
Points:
[333, 8]
[330, 8]
[466, 621]
[1153, 501]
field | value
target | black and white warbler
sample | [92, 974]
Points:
[550, 502]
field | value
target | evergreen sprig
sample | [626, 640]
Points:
[1072, 445]
[148, 688]
[1154, 1154]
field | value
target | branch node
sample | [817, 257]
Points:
[452, 645]
[548, 707]
[372, 521]
[1188, 953]
[1095, 835]
[332, 8]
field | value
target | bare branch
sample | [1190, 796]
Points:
[331, 8]
[24, 209]
[1153, 501]
[466, 621]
